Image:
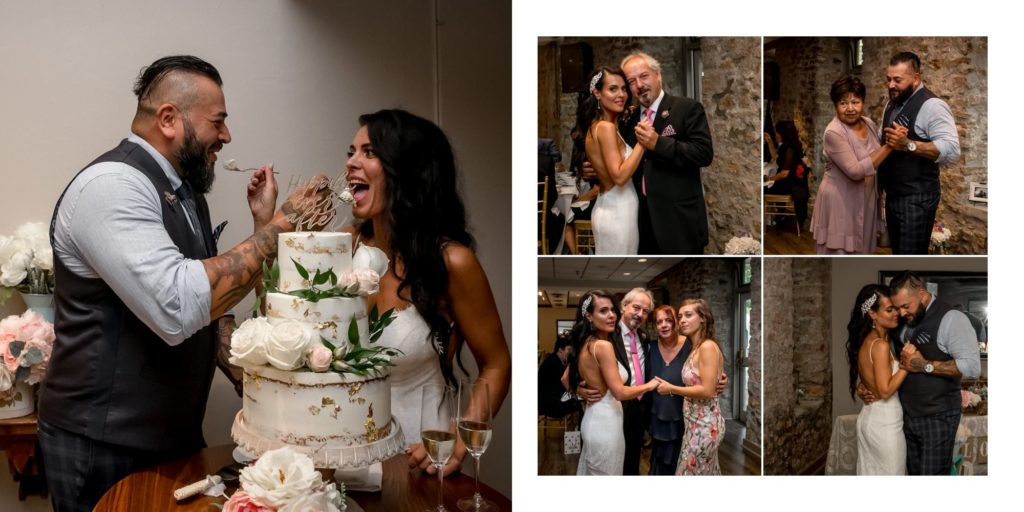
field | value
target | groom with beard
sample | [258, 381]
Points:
[947, 350]
[142, 298]
[673, 218]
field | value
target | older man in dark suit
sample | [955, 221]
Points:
[673, 216]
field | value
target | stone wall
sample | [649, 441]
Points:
[755, 373]
[798, 394]
[954, 68]
[731, 97]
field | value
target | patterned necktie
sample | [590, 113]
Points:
[638, 371]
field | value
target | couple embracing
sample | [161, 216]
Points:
[646, 160]
[913, 403]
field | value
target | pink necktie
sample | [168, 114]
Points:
[636, 360]
[649, 117]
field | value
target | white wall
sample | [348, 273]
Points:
[296, 76]
[848, 276]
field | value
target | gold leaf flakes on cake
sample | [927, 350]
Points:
[334, 413]
[314, 410]
[353, 391]
[326, 401]
[372, 434]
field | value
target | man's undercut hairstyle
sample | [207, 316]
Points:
[906, 280]
[909, 58]
[172, 79]
[650, 61]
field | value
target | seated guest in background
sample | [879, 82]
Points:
[549, 381]
[141, 290]
[792, 176]
[548, 155]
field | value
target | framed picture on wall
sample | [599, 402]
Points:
[563, 326]
[979, 192]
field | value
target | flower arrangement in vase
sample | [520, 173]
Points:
[26, 261]
[939, 242]
[743, 244]
[26, 342]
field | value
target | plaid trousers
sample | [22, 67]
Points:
[930, 441]
[79, 470]
[909, 220]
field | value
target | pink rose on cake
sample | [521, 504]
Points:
[320, 358]
[368, 279]
[289, 342]
[283, 480]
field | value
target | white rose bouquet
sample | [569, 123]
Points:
[284, 480]
[743, 244]
[26, 261]
[940, 238]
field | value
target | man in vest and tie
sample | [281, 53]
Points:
[142, 298]
[919, 126]
[947, 350]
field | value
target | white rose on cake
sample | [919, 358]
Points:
[372, 258]
[249, 342]
[289, 342]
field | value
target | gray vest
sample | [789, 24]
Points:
[904, 173]
[923, 394]
[111, 378]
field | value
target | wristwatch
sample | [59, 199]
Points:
[911, 146]
[928, 368]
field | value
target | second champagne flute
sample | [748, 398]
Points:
[475, 431]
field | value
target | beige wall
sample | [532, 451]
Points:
[297, 74]
[848, 276]
[546, 317]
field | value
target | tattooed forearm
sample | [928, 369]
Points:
[945, 368]
[233, 274]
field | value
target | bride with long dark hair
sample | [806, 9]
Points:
[615, 211]
[604, 446]
[881, 447]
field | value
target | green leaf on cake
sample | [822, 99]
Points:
[328, 344]
[377, 324]
[353, 332]
[301, 270]
[320, 278]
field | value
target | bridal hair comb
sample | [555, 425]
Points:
[868, 302]
[586, 303]
[595, 80]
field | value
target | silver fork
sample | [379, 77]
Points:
[230, 165]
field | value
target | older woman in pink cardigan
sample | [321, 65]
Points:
[846, 211]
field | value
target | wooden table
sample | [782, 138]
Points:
[18, 439]
[402, 489]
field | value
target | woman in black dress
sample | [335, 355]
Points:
[667, 358]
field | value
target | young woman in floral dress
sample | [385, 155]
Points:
[705, 425]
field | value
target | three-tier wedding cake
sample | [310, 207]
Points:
[312, 378]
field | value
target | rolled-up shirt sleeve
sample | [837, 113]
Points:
[116, 232]
[935, 122]
[958, 339]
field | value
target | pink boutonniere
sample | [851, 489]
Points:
[668, 131]
[664, 114]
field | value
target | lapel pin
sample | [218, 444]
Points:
[170, 198]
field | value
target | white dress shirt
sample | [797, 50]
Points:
[110, 226]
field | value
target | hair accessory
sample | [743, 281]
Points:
[868, 302]
[595, 80]
[586, 303]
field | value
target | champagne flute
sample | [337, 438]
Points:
[437, 426]
[475, 431]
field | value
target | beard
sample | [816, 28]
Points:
[899, 97]
[196, 167]
[916, 318]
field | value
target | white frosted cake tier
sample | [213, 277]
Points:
[314, 251]
[332, 316]
[304, 408]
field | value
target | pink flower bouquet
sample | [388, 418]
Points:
[26, 342]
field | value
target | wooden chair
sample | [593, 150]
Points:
[542, 208]
[780, 206]
[585, 237]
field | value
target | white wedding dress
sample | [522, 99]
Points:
[881, 447]
[415, 369]
[615, 218]
[604, 446]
